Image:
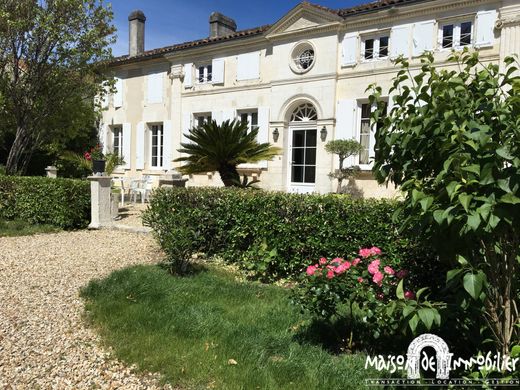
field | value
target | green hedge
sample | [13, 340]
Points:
[64, 203]
[273, 234]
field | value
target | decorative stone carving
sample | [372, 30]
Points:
[176, 72]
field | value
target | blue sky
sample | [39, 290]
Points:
[174, 21]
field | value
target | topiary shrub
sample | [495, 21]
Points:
[64, 203]
[273, 235]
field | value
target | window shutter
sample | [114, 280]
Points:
[155, 88]
[400, 41]
[248, 66]
[188, 75]
[218, 71]
[263, 130]
[118, 95]
[423, 37]
[186, 126]
[168, 144]
[217, 117]
[103, 136]
[127, 141]
[140, 146]
[349, 49]
[346, 117]
[485, 28]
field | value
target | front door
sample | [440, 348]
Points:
[302, 165]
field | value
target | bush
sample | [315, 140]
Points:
[64, 203]
[274, 235]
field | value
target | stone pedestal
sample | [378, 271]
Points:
[52, 172]
[100, 191]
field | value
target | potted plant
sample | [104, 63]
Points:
[98, 159]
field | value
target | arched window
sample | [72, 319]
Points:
[304, 113]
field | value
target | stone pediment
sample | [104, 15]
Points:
[304, 17]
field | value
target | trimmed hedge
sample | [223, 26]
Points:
[64, 203]
[274, 234]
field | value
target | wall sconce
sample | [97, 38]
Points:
[323, 133]
[276, 134]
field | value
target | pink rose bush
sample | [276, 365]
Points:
[363, 287]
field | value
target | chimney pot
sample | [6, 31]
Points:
[136, 22]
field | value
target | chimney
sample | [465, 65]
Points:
[136, 33]
[220, 25]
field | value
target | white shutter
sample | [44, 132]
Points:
[168, 144]
[140, 146]
[423, 37]
[218, 71]
[346, 117]
[400, 41]
[127, 141]
[118, 95]
[188, 75]
[186, 126]
[349, 48]
[103, 137]
[217, 117]
[248, 66]
[263, 130]
[229, 115]
[485, 28]
[155, 87]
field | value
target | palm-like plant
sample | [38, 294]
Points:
[221, 148]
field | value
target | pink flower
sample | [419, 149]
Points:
[356, 262]
[337, 260]
[378, 278]
[87, 156]
[373, 267]
[323, 260]
[330, 274]
[409, 295]
[365, 252]
[342, 267]
[402, 274]
[311, 269]
[375, 251]
[360, 279]
[389, 270]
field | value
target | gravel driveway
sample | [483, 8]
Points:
[44, 343]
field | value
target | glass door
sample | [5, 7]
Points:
[303, 160]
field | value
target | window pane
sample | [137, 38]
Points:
[311, 138]
[369, 49]
[310, 174]
[297, 174]
[383, 47]
[200, 121]
[210, 73]
[364, 140]
[298, 156]
[254, 119]
[161, 143]
[298, 138]
[366, 111]
[310, 156]
[201, 74]
[243, 118]
[465, 34]
[447, 36]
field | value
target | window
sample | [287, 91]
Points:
[250, 117]
[204, 74]
[157, 134]
[365, 138]
[303, 166]
[456, 35]
[374, 48]
[117, 141]
[201, 119]
[302, 57]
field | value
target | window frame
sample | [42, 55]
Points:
[376, 47]
[250, 113]
[160, 146]
[457, 31]
[119, 137]
[207, 73]
[372, 135]
[207, 117]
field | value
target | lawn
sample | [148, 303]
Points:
[22, 228]
[212, 330]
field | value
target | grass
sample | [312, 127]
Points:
[189, 328]
[22, 228]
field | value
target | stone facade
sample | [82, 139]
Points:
[312, 57]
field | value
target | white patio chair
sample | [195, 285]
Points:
[142, 187]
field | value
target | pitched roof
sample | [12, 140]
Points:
[344, 13]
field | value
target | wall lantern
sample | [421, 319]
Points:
[276, 134]
[323, 133]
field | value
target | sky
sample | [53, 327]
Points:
[174, 21]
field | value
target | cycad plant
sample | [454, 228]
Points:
[221, 148]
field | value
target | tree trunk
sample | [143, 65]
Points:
[229, 175]
[19, 154]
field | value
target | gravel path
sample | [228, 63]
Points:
[44, 343]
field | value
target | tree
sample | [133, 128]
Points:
[221, 148]
[344, 148]
[52, 54]
[452, 143]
